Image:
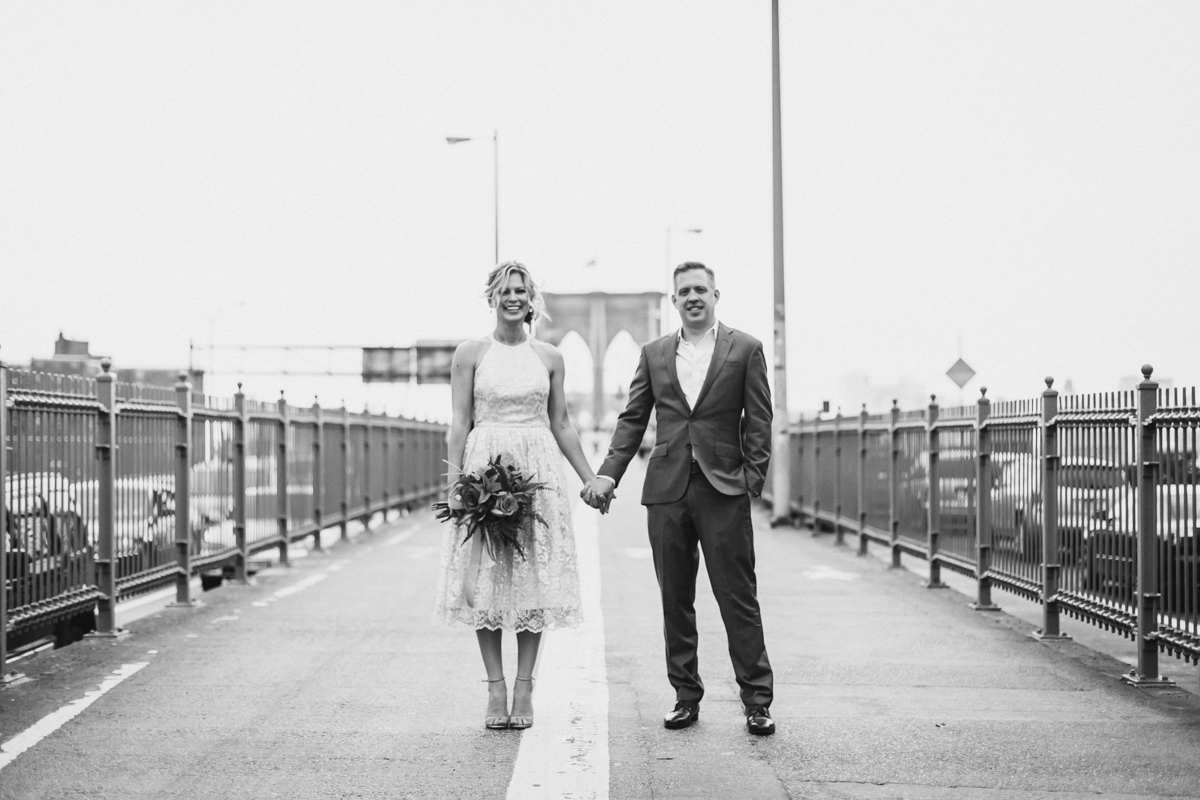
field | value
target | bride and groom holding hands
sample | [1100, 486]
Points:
[707, 385]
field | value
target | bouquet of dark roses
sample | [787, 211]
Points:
[496, 502]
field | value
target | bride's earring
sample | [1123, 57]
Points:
[529, 315]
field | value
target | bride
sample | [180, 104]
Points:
[507, 393]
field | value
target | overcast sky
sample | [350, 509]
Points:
[1023, 175]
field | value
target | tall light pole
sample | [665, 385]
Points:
[495, 185]
[670, 272]
[781, 462]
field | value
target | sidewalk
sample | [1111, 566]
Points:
[329, 680]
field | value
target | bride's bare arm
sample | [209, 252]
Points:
[462, 388]
[560, 420]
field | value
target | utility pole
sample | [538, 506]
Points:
[496, 189]
[781, 463]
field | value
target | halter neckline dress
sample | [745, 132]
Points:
[539, 591]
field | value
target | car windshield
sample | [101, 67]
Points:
[1091, 476]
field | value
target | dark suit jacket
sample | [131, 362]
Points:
[728, 432]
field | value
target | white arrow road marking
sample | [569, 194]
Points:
[56, 719]
[823, 573]
[565, 753]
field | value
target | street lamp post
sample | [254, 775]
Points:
[780, 455]
[495, 186]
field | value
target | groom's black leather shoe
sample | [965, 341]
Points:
[758, 721]
[683, 715]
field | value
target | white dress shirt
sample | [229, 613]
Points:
[692, 362]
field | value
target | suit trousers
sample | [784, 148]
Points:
[719, 524]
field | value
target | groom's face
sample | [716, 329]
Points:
[695, 298]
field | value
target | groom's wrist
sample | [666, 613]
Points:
[611, 480]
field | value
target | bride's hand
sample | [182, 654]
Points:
[598, 494]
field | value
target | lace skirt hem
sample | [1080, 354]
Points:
[533, 619]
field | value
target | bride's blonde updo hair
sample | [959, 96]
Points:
[499, 276]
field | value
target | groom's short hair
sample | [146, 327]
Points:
[688, 266]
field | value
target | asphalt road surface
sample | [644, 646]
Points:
[329, 680]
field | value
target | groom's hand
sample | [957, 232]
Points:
[599, 493]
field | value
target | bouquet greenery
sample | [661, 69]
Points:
[496, 502]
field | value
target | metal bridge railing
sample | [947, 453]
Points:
[113, 489]
[1086, 504]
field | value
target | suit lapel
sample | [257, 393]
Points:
[670, 344]
[720, 353]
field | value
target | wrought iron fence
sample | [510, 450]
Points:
[113, 489]
[1087, 504]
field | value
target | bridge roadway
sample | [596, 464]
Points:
[328, 680]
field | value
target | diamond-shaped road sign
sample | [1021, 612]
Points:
[960, 373]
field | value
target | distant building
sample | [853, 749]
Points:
[73, 357]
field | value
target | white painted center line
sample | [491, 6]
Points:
[565, 753]
[55, 720]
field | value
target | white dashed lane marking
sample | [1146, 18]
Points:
[821, 572]
[301, 585]
[55, 720]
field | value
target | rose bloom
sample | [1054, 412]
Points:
[506, 505]
[469, 496]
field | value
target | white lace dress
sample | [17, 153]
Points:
[539, 591]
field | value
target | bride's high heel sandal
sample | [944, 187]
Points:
[495, 722]
[520, 722]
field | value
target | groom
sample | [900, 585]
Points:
[707, 385]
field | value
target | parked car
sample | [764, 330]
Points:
[1108, 559]
[146, 536]
[47, 551]
[956, 498]
[1092, 493]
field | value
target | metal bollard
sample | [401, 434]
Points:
[106, 446]
[344, 522]
[838, 537]
[3, 522]
[1147, 597]
[366, 465]
[385, 462]
[933, 517]
[816, 494]
[318, 476]
[239, 490]
[894, 484]
[283, 500]
[862, 480]
[1050, 566]
[183, 494]
[983, 507]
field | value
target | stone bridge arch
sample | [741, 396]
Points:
[598, 317]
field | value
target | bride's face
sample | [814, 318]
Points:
[513, 303]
